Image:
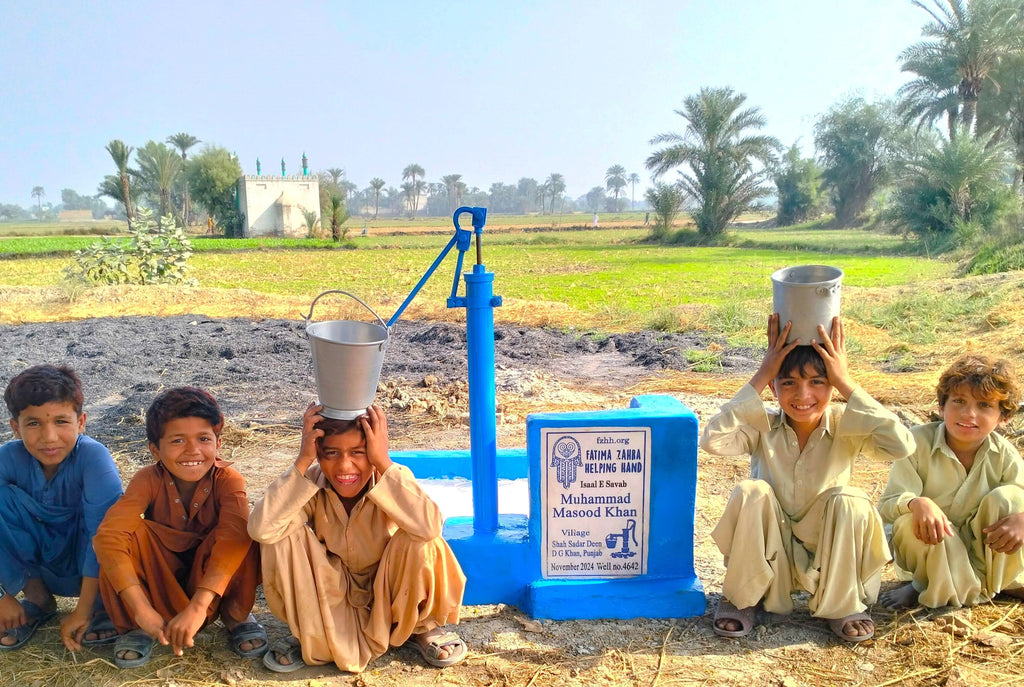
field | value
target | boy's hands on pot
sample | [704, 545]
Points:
[375, 427]
[777, 351]
[310, 434]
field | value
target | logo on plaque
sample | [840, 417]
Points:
[595, 500]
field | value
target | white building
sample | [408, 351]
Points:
[273, 205]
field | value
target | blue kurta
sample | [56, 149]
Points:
[46, 527]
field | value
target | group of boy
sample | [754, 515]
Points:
[348, 547]
[952, 513]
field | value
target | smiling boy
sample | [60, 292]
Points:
[353, 559]
[956, 505]
[55, 486]
[174, 553]
[796, 524]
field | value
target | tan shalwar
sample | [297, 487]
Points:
[351, 585]
[795, 524]
[960, 570]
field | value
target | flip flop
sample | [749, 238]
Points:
[746, 617]
[288, 647]
[430, 651]
[137, 641]
[837, 625]
[247, 631]
[36, 617]
[100, 624]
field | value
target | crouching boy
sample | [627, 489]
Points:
[796, 524]
[173, 551]
[56, 484]
[956, 504]
[353, 559]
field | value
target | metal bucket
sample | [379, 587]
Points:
[806, 295]
[347, 357]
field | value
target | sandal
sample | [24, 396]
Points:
[431, 651]
[99, 625]
[289, 648]
[249, 630]
[36, 617]
[837, 625]
[746, 617]
[137, 641]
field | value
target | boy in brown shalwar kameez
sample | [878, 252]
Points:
[173, 551]
[353, 558]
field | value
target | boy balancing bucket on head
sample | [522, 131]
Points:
[806, 295]
[347, 358]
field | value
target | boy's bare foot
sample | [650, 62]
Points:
[903, 597]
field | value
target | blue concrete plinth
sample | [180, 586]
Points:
[498, 566]
[637, 597]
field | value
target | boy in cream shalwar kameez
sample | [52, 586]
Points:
[353, 558]
[956, 505]
[796, 524]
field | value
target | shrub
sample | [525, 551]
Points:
[154, 254]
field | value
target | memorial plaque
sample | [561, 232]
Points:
[595, 495]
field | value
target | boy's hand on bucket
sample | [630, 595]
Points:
[833, 354]
[307, 450]
[776, 353]
[375, 427]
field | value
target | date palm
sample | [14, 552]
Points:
[615, 181]
[633, 180]
[409, 174]
[376, 184]
[450, 181]
[336, 174]
[974, 36]
[158, 170]
[555, 186]
[38, 192]
[121, 155]
[181, 142]
[718, 152]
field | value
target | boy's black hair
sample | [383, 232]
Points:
[182, 401]
[799, 358]
[331, 426]
[41, 384]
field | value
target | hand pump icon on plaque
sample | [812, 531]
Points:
[628, 531]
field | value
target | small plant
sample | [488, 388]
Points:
[663, 320]
[154, 254]
[704, 361]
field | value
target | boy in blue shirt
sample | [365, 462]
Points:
[55, 486]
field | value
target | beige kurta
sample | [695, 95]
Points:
[351, 585]
[796, 524]
[960, 570]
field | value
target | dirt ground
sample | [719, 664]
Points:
[261, 372]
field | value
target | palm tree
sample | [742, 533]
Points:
[719, 154]
[121, 154]
[336, 174]
[450, 181]
[376, 184]
[408, 191]
[974, 36]
[38, 192]
[158, 170]
[633, 180]
[615, 181]
[933, 94]
[409, 174]
[555, 186]
[182, 142]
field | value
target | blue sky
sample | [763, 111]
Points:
[494, 91]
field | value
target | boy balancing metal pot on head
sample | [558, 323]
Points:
[796, 524]
[56, 483]
[353, 559]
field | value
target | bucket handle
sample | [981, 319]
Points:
[353, 297]
[821, 290]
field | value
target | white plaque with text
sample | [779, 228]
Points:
[595, 496]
